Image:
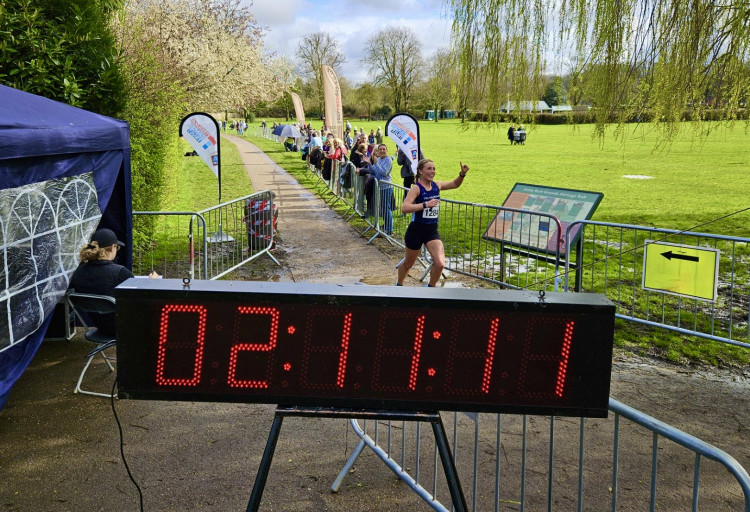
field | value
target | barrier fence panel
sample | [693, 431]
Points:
[610, 260]
[206, 244]
[239, 231]
[171, 243]
[513, 462]
[473, 248]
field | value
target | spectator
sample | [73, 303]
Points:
[334, 153]
[406, 170]
[371, 137]
[379, 136]
[379, 166]
[521, 135]
[357, 157]
[315, 141]
[289, 144]
[423, 202]
[511, 132]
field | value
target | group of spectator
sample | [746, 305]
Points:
[239, 125]
[516, 135]
[366, 158]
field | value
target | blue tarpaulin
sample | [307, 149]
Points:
[63, 173]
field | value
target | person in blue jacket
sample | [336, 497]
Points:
[423, 202]
[379, 165]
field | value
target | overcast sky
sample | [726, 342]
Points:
[351, 23]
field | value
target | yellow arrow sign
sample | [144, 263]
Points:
[681, 269]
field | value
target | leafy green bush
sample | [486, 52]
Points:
[63, 50]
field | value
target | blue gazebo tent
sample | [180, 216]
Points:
[63, 172]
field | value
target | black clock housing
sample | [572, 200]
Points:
[365, 347]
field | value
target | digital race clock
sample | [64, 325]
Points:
[368, 347]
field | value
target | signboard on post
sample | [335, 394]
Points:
[567, 205]
[403, 129]
[201, 131]
[677, 269]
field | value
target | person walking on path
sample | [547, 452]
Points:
[423, 202]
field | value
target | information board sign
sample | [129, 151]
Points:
[539, 232]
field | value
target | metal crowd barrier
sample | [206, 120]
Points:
[609, 260]
[171, 243]
[207, 244]
[511, 464]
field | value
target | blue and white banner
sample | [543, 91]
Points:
[403, 129]
[201, 131]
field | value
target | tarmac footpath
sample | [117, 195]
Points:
[315, 243]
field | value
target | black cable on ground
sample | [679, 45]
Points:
[122, 446]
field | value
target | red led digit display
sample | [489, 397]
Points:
[365, 347]
[182, 331]
[268, 328]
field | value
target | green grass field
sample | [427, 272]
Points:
[198, 187]
[693, 181]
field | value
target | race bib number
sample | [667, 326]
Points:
[431, 213]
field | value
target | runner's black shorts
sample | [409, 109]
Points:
[418, 234]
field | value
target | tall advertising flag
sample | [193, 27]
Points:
[299, 112]
[332, 98]
[202, 133]
[403, 129]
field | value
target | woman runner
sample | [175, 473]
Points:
[423, 202]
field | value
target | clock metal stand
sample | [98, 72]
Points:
[433, 417]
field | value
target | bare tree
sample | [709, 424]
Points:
[368, 98]
[316, 50]
[396, 54]
[438, 85]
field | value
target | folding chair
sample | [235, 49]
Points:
[88, 303]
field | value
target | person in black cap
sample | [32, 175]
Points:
[98, 274]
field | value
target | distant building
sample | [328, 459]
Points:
[561, 108]
[526, 106]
